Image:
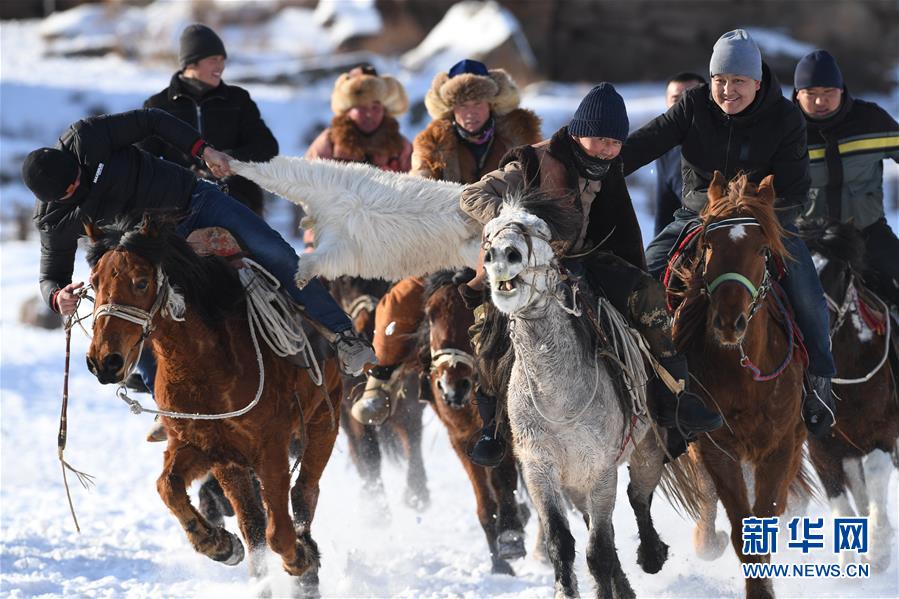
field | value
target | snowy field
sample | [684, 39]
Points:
[130, 546]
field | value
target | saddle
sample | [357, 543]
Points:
[217, 241]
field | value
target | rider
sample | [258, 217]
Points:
[581, 161]
[848, 140]
[225, 114]
[96, 175]
[364, 127]
[476, 119]
[742, 123]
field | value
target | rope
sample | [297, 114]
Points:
[452, 357]
[747, 363]
[886, 353]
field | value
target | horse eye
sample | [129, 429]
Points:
[763, 251]
[141, 284]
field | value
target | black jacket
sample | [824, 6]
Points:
[846, 153]
[767, 138]
[117, 179]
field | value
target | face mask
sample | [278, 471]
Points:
[589, 167]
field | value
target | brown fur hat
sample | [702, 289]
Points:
[362, 85]
[495, 88]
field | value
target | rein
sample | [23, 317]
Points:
[852, 302]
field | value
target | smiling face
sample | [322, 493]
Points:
[367, 117]
[508, 256]
[208, 70]
[734, 93]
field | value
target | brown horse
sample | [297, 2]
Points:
[401, 434]
[728, 323]
[453, 378]
[151, 286]
[868, 420]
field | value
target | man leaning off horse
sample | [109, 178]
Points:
[95, 175]
[581, 162]
[848, 140]
[742, 123]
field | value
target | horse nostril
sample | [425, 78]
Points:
[113, 363]
[462, 388]
[440, 385]
[718, 323]
[91, 365]
[740, 324]
[513, 256]
[488, 255]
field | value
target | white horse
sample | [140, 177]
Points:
[371, 223]
[572, 422]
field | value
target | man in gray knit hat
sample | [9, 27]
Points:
[741, 123]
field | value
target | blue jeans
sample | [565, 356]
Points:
[210, 207]
[800, 282]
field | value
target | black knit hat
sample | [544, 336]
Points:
[818, 69]
[48, 172]
[601, 114]
[197, 42]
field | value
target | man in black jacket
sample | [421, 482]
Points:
[742, 123]
[95, 175]
[848, 139]
[225, 115]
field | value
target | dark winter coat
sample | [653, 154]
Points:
[846, 153]
[768, 138]
[669, 187]
[611, 219]
[227, 118]
[117, 179]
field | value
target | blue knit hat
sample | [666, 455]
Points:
[818, 69]
[601, 114]
[735, 53]
[468, 66]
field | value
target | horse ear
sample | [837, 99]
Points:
[149, 226]
[94, 232]
[766, 190]
[717, 188]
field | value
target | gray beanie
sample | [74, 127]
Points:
[736, 53]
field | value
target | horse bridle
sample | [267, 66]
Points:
[452, 357]
[363, 302]
[756, 293]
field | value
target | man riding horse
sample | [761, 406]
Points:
[476, 119]
[580, 165]
[741, 123]
[95, 175]
[848, 140]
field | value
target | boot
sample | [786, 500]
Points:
[818, 408]
[374, 405]
[684, 411]
[353, 352]
[490, 448]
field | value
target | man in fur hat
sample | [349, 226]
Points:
[476, 120]
[225, 114]
[580, 164]
[364, 127]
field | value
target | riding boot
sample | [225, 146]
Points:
[818, 407]
[490, 448]
[683, 411]
[373, 407]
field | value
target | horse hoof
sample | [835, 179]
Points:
[501, 566]
[709, 550]
[306, 586]
[235, 553]
[651, 559]
[417, 500]
[510, 544]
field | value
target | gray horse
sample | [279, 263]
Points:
[573, 422]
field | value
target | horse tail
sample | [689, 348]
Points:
[803, 485]
[679, 485]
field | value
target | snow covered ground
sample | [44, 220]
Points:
[130, 545]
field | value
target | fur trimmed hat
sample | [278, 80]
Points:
[362, 85]
[470, 81]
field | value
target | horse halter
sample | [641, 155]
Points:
[756, 293]
[452, 357]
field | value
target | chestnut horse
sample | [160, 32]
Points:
[453, 380]
[731, 323]
[151, 286]
[867, 425]
[401, 433]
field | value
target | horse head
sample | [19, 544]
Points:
[142, 275]
[741, 233]
[838, 251]
[453, 366]
[519, 261]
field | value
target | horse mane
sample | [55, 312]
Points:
[436, 280]
[835, 240]
[208, 283]
[560, 214]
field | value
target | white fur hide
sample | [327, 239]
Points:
[371, 223]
